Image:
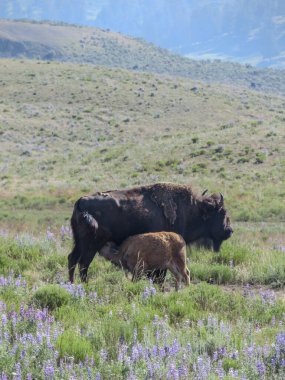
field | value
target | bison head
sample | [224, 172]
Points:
[217, 220]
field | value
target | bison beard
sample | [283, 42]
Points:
[116, 215]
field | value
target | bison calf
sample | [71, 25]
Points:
[147, 253]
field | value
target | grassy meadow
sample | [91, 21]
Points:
[68, 130]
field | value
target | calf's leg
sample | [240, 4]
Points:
[157, 276]
[186, 276]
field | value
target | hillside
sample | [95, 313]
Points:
[71, 129]
[243, 31]
[102, 47]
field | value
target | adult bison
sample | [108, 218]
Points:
[118, 214]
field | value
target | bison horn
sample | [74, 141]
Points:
[204, 192]
[221, 199]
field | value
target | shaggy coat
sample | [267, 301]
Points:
[116, 215]
[146, 253]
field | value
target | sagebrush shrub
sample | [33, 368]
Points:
[51, 297]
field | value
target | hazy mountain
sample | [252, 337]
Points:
[248, 31]
[69, 43]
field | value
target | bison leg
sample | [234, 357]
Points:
[73, 258]
[186, 276]
[85, 261]
[178, 279]
[157, 276]
[180, 271]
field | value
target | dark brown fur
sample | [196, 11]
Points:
[116, 215]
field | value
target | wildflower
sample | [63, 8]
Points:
[233, 373]
[174, 349]
[4, 320]
[172, 372]
[65, 232]
[49, 235]
[146, 293]
[154, 350]
[280, 339]
[260, 368]
[18, 371]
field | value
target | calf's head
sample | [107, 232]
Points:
[217, 221]
[109, 249]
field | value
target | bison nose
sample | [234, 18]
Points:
[229, 232]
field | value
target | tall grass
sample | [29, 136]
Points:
[115, 329]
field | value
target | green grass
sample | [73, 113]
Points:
[120, 141]
[97, 323]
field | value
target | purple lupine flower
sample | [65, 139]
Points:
[280, 339]
[233, 373]
[4, 320]
[152, 289]
[220, 370]
[261, 369]
[89, 372]
[235, 354]
[146, 293]
[135, 353]
[267, 297]
[183, 372]
[174, 349]
[92, 296]
[154, 350]
[123, 348]
[200, 323]
[50, 235]
[162, 352]
[18, 371]
[222, 352]
[172, 372]
[65, 232]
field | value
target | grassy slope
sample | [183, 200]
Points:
[70, 129]
[97, 46]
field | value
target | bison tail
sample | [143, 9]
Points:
[83, 222]
[89, 221]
